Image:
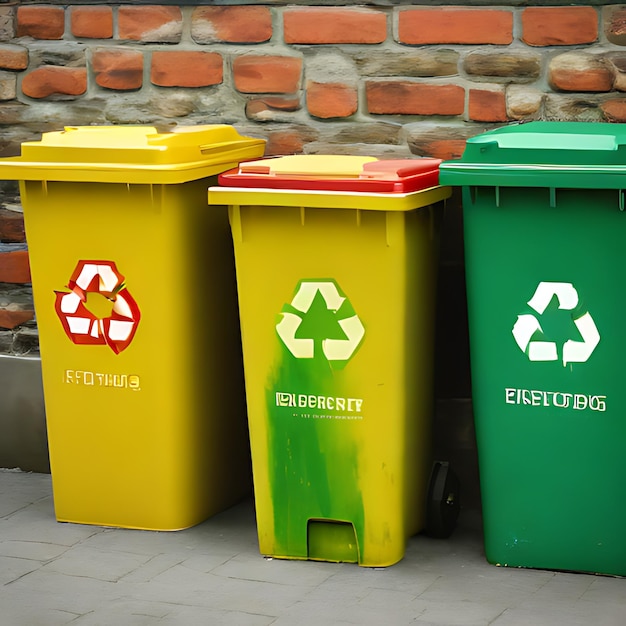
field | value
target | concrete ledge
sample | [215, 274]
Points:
[23, 437]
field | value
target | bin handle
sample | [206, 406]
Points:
[227, 146]
[621, 199]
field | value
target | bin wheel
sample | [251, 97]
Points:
[442, 510]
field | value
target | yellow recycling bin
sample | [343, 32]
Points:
[135, 296]
[336, 271]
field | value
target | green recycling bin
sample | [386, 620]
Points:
[545, 235]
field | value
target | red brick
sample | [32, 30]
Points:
[117, 68]
[580, 71]
[446, 149]
[559, 26]
[420, 26]
[330, 100]
[11, 226]
[14, 267]
[278, 103]
[14, 318]
[440, 141]
[614, 110]
[13, 57]
[240, 24]
[572, 80]
[320, 25]
[264, 109]
[406, 98]
[92, 22]
[487, 105]
[267, 74]
[53, 80]
[41, 22]
[186, 69]
[291, 141]
[150, 23]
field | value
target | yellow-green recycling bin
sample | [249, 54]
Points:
[336, 270]
[136, 304]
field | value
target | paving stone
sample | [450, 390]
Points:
[53, 591]
[54, 574]
[280, 571]
[12, 568]
[37, 522]
[201, 615]
[32, 550]
[87, 562]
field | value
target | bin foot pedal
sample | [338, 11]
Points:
[330, 540]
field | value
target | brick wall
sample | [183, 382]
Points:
[383, 80]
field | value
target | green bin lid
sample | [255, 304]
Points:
[131, 154]
[543, 154]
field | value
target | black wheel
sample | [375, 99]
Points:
[442, 510]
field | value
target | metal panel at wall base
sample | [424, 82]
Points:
[23, 440]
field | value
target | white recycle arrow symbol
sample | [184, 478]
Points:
[334, 349]
[527, 325]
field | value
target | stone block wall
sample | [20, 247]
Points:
[395, 80]
[391, 81]
[388, 79]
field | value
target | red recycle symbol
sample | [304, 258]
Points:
[80, 324]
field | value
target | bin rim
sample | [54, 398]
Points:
[457, 173]
[323, 199]
[17, 169]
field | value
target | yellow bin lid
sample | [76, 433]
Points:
[131, 154]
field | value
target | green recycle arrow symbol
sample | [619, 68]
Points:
[320, 317]
[527, 328]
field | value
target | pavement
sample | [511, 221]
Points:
[53, 574]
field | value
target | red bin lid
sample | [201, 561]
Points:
[335, 173]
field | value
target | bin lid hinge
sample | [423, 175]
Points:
[553, 197]
[473, 193]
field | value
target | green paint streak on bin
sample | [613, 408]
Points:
[316, 497]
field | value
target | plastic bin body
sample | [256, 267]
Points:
[544, 236]
[148, 433]
[336, 296]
